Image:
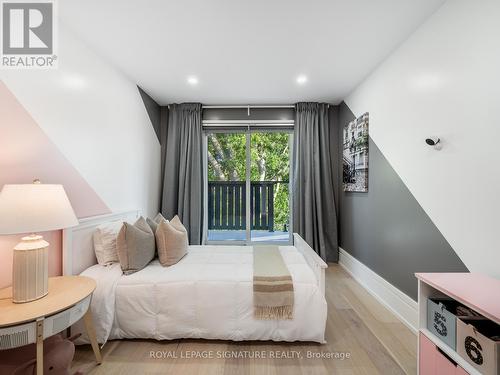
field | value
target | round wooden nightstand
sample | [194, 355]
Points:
[67, 302]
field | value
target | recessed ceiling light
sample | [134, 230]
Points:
[301, 79]
[192, 80]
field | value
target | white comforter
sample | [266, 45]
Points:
[208, 294]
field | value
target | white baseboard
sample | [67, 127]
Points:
[404, 307]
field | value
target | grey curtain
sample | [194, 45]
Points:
[182, 171]
[314, 211]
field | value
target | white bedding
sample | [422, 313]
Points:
[208, 294]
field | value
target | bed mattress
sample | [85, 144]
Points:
[208, 294]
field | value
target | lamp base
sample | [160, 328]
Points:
[30, 273]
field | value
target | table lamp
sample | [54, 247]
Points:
[32, 208]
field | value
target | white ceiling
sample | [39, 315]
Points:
[245, 52]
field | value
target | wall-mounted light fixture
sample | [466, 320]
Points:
[434, 142]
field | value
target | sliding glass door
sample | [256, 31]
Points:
[227, 170]
[269, 186]
[248, 186]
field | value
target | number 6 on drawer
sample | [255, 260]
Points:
[478, 342]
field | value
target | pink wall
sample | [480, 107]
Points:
[27, 153]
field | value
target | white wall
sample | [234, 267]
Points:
[97, 119]
[445, 81]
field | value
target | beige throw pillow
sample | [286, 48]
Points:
[104, 238]
[171, 241]
[135, 245]
[153, 223]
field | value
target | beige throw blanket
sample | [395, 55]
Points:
[272, 284]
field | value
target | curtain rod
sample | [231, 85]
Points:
[249, 106]
[245, 122]
[246, 106]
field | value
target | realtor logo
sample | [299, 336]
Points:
[28, 34]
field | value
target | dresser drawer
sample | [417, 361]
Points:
[15, 336]
[432, 361]
[56, 323]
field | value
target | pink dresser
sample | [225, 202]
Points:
[475, 291]
[432, 360]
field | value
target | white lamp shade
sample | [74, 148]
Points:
[32, 208]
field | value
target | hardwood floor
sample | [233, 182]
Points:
[358, 325]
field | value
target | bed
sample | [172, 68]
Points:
[208, 294]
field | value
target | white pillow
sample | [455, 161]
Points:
[105, 242]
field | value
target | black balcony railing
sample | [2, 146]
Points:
[227, 205]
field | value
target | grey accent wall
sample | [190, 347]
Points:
[163, 143]
[386, 229]
[153, 109]
[336, 144]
